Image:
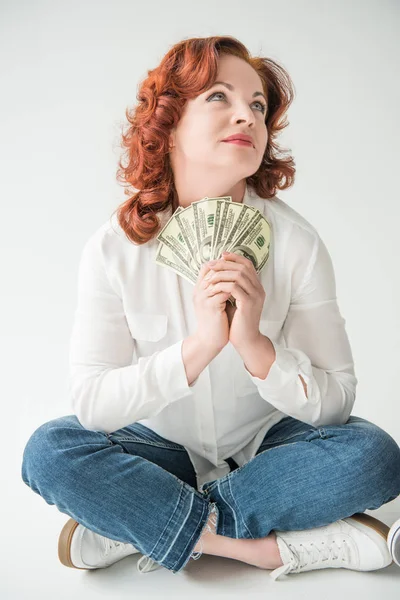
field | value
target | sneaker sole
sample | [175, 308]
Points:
[64, 544]
[393, 540]
[381, 529]
[375, 524]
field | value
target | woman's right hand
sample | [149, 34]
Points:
[212, 319]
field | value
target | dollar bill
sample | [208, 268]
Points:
[167, 258]
[202, 231]
[176, 238]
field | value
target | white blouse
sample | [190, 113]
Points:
[132, 316]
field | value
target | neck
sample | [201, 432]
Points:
[188, 192]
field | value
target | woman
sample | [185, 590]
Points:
[229, 431]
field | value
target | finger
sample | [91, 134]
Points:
[245, 265]
[207, 278]
[234, 256]
[205, 267]
[225, 287]
[222, 264]
[240, 277]
[238, 258]
[233, 289]
[219, 298]
[226, 263]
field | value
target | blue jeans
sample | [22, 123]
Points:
[137, 487]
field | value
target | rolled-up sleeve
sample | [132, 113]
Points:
[106, 390]
[317, 348]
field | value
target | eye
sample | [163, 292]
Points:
[263, 106]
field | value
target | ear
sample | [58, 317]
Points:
[171, 142]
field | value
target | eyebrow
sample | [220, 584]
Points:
[230, 87]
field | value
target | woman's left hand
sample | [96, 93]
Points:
[236, 274]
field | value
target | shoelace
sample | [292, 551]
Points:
[111, 545]
[307, 554]
[148, 563]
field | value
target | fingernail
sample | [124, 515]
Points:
[212, 262]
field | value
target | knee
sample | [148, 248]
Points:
[384, 446]
[382, 455]
[41, 445]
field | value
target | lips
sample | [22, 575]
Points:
[239, 137]
[238, 142]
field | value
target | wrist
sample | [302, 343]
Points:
[206, 345]
[250, 344]
[259, 356]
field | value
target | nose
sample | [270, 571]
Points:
[243, 114]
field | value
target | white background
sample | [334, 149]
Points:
[69, 70]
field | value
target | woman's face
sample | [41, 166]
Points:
[216, 114]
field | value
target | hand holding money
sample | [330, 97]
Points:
[236, 274]
[202, 231]
[212, 320]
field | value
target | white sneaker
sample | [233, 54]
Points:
[358, 542]
[394, 541]
[81, 548]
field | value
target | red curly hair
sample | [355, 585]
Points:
[186, 71]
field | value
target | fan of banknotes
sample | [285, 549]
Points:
[202, 231]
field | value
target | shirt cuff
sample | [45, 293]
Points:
[171, 373]
[284, 370]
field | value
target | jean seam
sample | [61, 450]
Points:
[290, 437]
[207, 509]
[151, 553]
[238, 512]
[149, 443]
